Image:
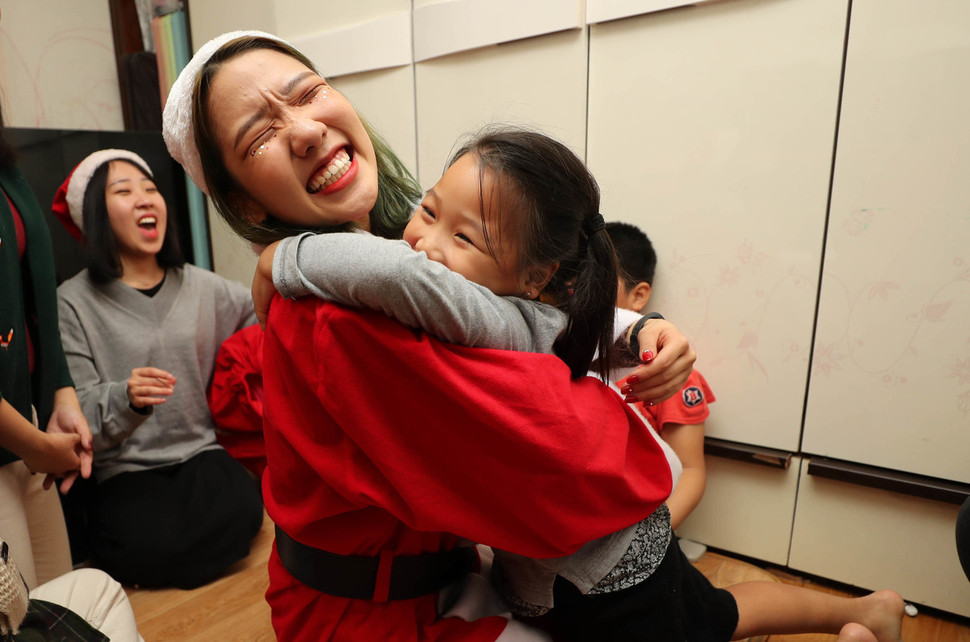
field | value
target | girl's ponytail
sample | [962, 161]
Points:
[592, 302]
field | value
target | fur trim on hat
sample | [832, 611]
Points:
[177, 126]
[69, 201]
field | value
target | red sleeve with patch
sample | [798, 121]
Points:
[688, 407]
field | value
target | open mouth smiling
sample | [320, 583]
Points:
[332, 172]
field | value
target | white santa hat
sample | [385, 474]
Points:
[177, 126]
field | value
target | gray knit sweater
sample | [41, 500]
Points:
[108, 330]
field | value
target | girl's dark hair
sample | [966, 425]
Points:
[555, 201]
[101, 247]
[397, 190]
[635, 256]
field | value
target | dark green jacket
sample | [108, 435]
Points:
[28, 291]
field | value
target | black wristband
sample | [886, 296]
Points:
[634, 334]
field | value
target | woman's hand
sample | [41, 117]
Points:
[263, 288]
[68, 419]
[54, 453]
[149, 386]
[667, 360]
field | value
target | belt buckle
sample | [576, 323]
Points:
[382, 583]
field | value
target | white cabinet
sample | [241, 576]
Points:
[720, 130]
[879, 539]
[890, 382]
[539, 82]
[747, 509]
[711, 128]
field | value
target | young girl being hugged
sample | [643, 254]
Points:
[140, 329]
[519, 260]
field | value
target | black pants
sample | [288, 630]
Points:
[178, 526]
[675, 604]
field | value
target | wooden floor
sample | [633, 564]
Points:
[232, 608]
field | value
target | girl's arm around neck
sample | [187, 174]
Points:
[361, 270]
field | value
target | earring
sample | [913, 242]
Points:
[528, 294]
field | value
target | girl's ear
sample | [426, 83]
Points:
[247, 209]
[537, 278]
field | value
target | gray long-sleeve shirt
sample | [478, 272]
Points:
[362, 270]
[108, 330]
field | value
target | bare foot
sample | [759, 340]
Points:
[853, 632]
[884, 616]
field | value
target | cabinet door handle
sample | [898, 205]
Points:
[921, 486]
[745, 452]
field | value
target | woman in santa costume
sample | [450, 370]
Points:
[388, 450]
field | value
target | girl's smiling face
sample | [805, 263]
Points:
[295, 146]
[448, 227]
[136, 210]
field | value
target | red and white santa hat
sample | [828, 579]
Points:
[69, 201]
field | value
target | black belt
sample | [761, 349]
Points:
[379, 578]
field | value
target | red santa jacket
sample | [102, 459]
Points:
[379, 437]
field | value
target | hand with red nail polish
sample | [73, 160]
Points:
[668, 360]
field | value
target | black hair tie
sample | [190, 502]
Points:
[593, 224]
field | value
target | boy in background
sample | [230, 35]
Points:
[680, 419]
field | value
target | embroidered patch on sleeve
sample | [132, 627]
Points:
[692, 396]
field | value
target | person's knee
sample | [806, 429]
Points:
[134, 563]
[85, 586]
[96, 581]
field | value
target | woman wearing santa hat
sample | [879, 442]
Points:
[140, 329]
